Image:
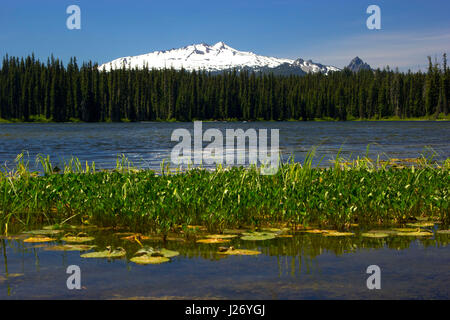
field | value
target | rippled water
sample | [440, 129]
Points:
[147, 144]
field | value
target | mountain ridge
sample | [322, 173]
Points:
[217, 58]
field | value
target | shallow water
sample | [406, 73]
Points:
[146, 144]
[307, 266]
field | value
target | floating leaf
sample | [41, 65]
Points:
[240, 252]
[258, 236]
[421, 224]
[77, 239]
[405, 229]
[316, 231]
[212, 241]
[145, 250]
[168, 253]
[415, 234]
[338, 234]
[234, 231]
[124, 234]
[221, 236]
[70, 247]
[38, 239]
[275, 230]
[285, 236]
[149, 251]
[175, 239]
[43, 232]
[443, 231]
[148, 259]
[374, 235]
[118, 253]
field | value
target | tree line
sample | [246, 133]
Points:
[31, 90]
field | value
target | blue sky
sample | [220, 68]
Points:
[330, 32]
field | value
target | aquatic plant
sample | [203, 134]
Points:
[361, 192]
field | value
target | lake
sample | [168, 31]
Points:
[300, 266]
[148, 144]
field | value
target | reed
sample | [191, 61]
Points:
[362, 191]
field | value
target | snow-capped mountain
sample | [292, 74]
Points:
[216, 58]
[309, 66]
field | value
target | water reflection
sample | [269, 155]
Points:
[327, 266]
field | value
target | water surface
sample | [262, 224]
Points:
[147, 144]
[307, 266]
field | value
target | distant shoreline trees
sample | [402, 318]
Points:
[31, 90]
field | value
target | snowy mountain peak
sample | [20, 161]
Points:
[215, 58]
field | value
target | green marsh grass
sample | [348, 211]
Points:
[361, 191]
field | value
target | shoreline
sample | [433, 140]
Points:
[4, 121]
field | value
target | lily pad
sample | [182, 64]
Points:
[76, 239]
[38, 239]
[374, 235]
[234, 231]
[44, 232]
[258, 236]
[169, 253]
[421, 224]
[175, 239]
[443, 231]
[405, 229]
[70, 247]
[123, 234]
[415, 234]
[209, 241]
[240, 252]
[316, 231]
[148, 259]
[108, 253]
[275, 230]
[221, 236]
[149, 251]
[338, 234]
[53, 227]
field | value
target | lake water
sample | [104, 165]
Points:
[306, 266]
[148, 144]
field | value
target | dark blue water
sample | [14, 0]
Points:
[147, 144]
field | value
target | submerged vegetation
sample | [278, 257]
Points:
[361, 191]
